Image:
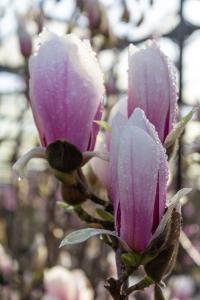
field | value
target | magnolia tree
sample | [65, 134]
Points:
[129, 153]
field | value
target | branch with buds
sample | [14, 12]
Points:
[140, 224]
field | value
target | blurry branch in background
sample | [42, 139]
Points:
[189, 248]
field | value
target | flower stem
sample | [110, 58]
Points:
[83, 215]
[145, 282]
[118, 287]
[121, 272]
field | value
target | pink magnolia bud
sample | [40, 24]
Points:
[152, 87]
[94, 12]
[6, 263]
[138, 172]
[25, 40]
[182, 287]
[61, 284]
[66, 91]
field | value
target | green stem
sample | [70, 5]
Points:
[83, 215]
[84, 188]
[96, 199]
[145, 282]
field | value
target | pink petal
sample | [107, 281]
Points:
[152, 87]
[121, 107]
[139, 119]
[138, 164]
[66, 89]
[99, 166]
[95, 127]
[117, 127]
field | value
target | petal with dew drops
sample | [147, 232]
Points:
[138, 165]
[118, 124]
[152, 87]
[66, 90]
[139, 119]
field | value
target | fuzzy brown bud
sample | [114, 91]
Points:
[63, 156]
[73, 194]
[164, 262]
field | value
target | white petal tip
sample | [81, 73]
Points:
[18, 167]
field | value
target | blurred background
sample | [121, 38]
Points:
[31, 223]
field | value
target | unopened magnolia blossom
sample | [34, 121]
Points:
[61, 284]
[152, 87]
[6, 263]
[139, 173]
[93, 11]
[66, 91]
[25, 41]
[137, 180]
[182, 287]
[66, 97]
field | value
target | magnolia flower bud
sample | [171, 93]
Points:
[94, 13]
[66, 91]
[138, 172]
[182, 287]
[6, 263]
[25, 40]
[97, 17]
[62, 284]
[152, 87]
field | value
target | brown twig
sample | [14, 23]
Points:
[118, 287]
[145, 282]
